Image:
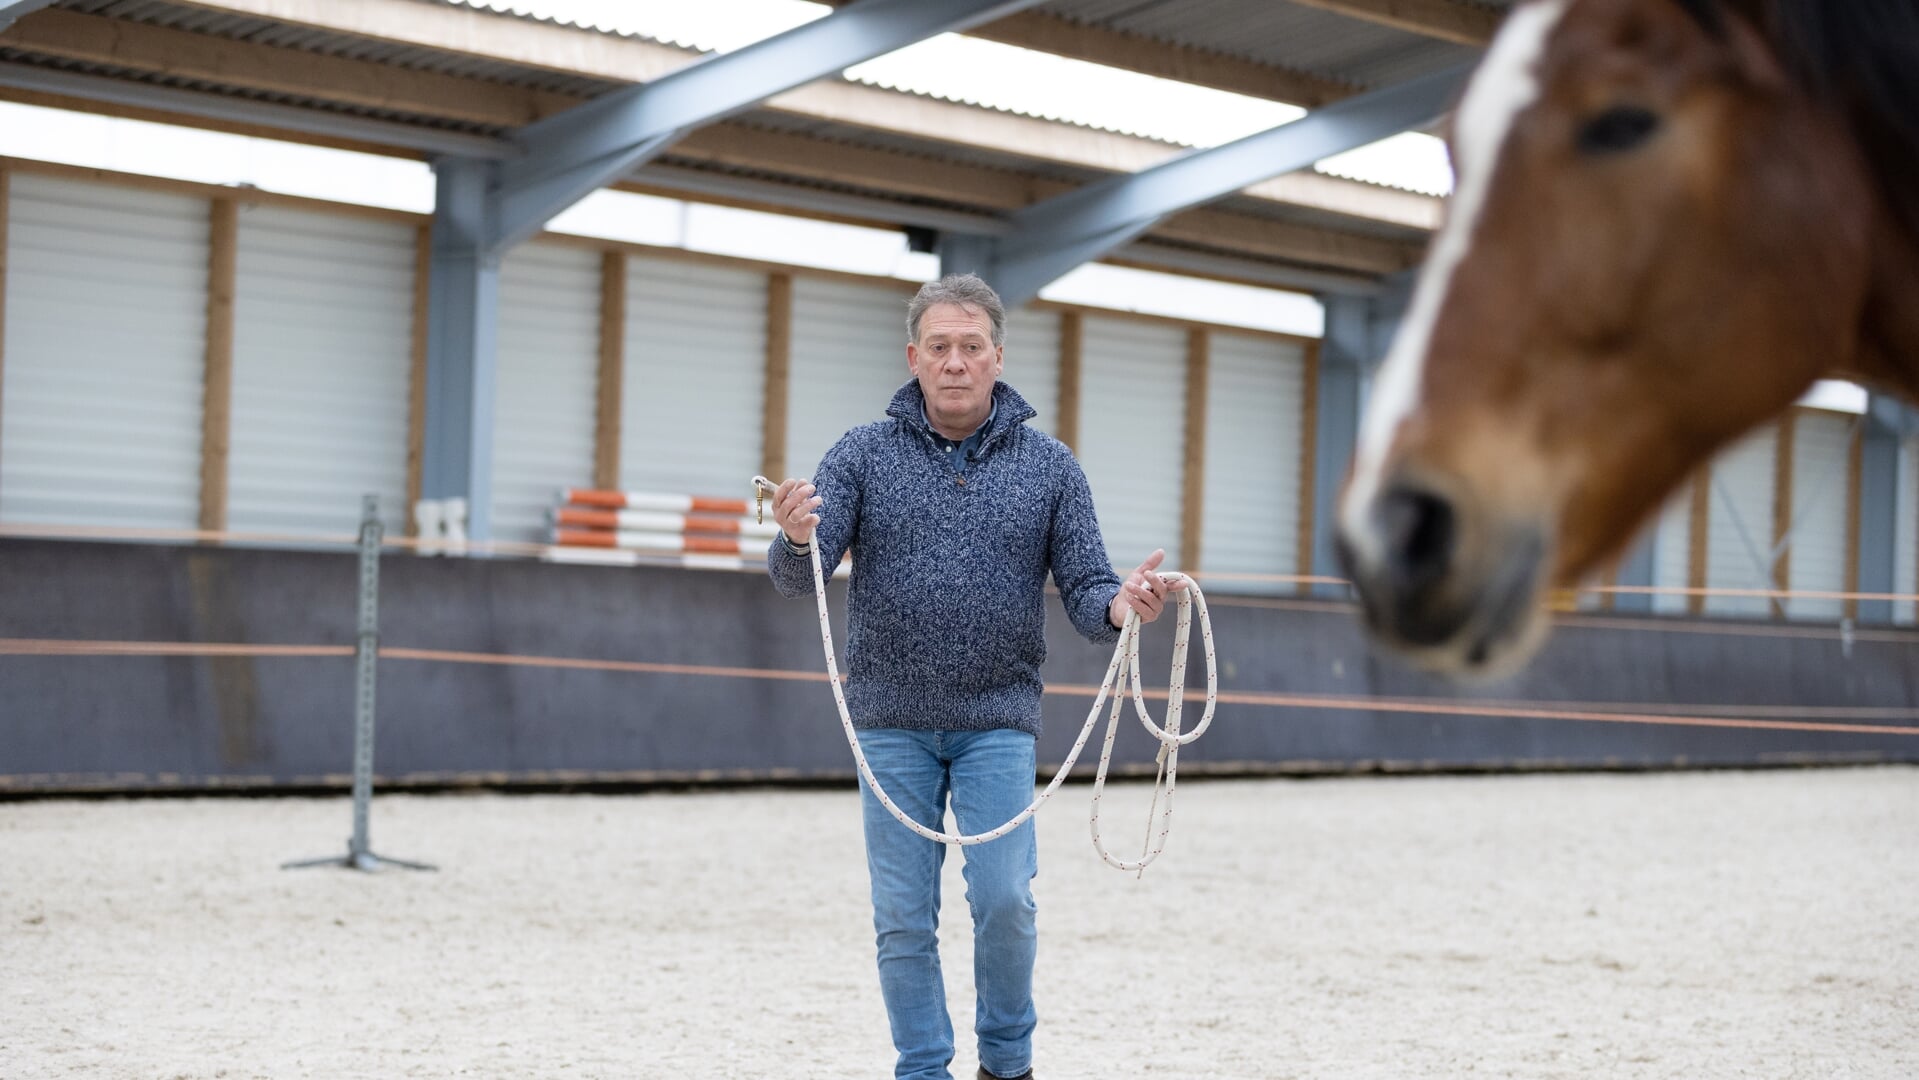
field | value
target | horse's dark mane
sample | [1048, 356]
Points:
[1708, 15]
[1860, 56]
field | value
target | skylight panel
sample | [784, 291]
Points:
[993, 75]
[1409, 160]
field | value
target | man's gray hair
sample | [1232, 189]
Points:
[966, 290]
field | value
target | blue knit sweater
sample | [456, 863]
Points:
[946, 614]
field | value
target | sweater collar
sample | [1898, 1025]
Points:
[1009, 408]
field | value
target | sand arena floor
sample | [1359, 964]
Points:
[1686, 925]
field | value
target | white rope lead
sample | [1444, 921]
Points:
[1123, 668]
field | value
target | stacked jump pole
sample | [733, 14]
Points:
[628, 527]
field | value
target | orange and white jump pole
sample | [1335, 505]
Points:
[656, 501]
[660, 542]
[662, 522]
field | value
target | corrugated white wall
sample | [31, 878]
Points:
[1254, 404]
[1821, 463]
[1739, 533]
[1032, 363]
[105, 355]
[695, 377]
[1132, 434]
[322, 347]
[1905, 571]
[1672, 555]
[544, 416]
[849, 356]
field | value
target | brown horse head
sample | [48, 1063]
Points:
[1659, 238]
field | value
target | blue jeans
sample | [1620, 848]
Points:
[989, 775]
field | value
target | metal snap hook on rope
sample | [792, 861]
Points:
[1123, 668]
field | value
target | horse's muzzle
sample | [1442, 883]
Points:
[1449, 591]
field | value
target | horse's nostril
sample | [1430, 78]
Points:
[1419, 532]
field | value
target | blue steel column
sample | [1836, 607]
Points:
[1343, 354]
[1886, 423]
[1638, 571]
[1359, 329]
[968, 254]
[462, 345]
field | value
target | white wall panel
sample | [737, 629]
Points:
[545, 415]
[1032, 363]
[849, 356]
[1821, 464]
[322, 347]
[1739, 534]
[105, 355]
[695, 377]
[1132, 434]
[1254, 405]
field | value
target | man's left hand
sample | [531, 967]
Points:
[1144, 591]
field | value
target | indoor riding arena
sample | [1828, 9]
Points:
[390, 679]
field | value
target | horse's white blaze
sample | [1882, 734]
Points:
[1505, 85]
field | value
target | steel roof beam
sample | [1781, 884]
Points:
[1052, 237]
[575, 153]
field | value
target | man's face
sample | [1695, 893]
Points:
[956, 362]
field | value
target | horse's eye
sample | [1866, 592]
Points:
[1618, 129]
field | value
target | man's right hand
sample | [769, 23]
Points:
[793, 506]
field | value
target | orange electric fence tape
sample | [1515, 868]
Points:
[1582, 712]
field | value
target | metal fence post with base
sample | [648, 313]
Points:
[359, 855]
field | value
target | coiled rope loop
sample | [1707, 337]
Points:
[1124, 668]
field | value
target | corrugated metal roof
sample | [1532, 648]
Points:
[548, 20]
[917, 146]
[1267, 31]
[971, 103]
[1259, 30]
[257, 31]
[1313, 216]
[1277, 33]
[1263, 209]
[982, 157]
[148, 78]
[691, 50]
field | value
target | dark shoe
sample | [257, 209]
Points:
[984, 1075]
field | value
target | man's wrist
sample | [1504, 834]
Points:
[797, 549]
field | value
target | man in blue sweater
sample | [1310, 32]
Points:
[955, 512]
